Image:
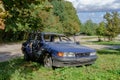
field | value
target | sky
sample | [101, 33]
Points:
[94, 9]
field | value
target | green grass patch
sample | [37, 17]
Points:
[107, 67]
[107, 42]
[109, 51]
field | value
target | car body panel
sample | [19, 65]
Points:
[61, 62]
[67, 47]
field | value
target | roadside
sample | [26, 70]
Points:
[13, 50]
[87, 41]
[98, 47]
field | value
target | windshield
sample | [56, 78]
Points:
[56, 38]
[64, 39]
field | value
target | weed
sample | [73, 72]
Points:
[107, 67]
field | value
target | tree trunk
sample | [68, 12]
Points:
[99, 39]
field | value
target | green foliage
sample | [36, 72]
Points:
[100, 31]
[43, 15]
[3, 15]
[112, 27]
[50, 22]
[89, 28]
[105, 68]
[21, 19]
[59, 9]
[73, 23]
[67, 15]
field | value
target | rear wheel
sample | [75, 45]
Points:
[47, 61]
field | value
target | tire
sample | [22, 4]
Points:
[47, 61]
[26, 57]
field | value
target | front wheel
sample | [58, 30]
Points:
[48, 61]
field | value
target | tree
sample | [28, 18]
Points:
[89, 28]
[116, 22]
[22, 19]
[112, 25]
[72, 18]
[100, 31]
[43, 15]
[67, 15]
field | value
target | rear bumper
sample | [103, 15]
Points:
[61, 62]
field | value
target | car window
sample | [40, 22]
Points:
[51, 38]
[47, 38]
[64, 39]
[56, 38]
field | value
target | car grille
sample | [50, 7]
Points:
[82, 54]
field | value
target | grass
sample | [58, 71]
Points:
[107, 42]
[107, 67]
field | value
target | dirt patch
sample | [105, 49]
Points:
[9, 51]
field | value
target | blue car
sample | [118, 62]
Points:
[57, 50]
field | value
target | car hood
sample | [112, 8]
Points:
[67, 47]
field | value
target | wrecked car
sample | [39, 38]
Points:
[57, 50]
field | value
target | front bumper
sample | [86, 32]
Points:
[61, 62]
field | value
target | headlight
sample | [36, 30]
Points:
[69, 54]
[93, 53]
[66, 54]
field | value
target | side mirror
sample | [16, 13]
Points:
[78, 43]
